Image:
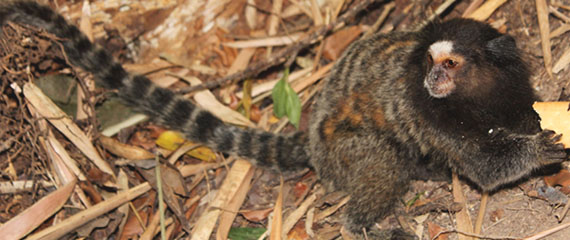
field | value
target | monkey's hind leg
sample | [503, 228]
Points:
[379, 177]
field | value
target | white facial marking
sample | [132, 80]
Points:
[441, 48]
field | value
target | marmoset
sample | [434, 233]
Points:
[452, 96]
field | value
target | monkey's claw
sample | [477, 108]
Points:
[551, 151]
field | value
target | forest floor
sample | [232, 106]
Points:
[91, 161]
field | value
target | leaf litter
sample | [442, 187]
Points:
[185, 44]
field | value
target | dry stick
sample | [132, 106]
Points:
[387, 9]
[558, 14]
[472, 7]
[481, 214]
[274, 21]
[562, 215]
[473, 235]
[73, 222]
[444, 6]
[281, 56]
[544, 26]
[548, 232]
[302, 8]
[462, 217]
[317, 16]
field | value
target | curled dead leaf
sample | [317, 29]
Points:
[562, 179]
[256, 215]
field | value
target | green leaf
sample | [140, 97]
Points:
[411, 202]
[285, 100]
[245, 233]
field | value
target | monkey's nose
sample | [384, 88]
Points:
[438, 74]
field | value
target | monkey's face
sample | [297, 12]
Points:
[443, 69]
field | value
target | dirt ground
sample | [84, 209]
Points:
[172, 41]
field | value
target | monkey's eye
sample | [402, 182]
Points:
[450, 63]
[429, 58]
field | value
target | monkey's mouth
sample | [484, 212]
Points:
[438, 82]
[439, 87]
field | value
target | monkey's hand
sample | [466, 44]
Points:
[504, 157]
[549, 150]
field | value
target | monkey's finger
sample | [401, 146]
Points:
[557, 147]
[555, 155]
[546, 133]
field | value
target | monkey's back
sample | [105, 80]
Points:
[361, 108]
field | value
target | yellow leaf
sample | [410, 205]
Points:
[172, 140]
[273, 119]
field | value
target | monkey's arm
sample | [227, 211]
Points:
[504, 157]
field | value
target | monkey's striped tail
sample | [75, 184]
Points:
[262, 148]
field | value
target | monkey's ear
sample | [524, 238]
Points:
[503, 48]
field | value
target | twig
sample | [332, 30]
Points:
[481, 215]
[444, 6]
[562, 215]
[387, 9]
[558, 14]
[472, 235]
[281, 56]
[548, 232]
[472, 7]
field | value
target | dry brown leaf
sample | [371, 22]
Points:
[434, 229]
[151, 227]
[208, 101]
[256, 215]
[192, 169]
[57, 151]
[300, 189]
[123, 183]
[555, 116]
[207, 221]
[124, 150]
[327, 212]
[242, 60]
[173, 179]
[172, 185]
[562, 62]
[298, 232]
[338, 41]
[65, 125]
[65, 167]
[134, 227]
[562, 178]
[485, 11]
[294, 216]
[233, 206]
[22, 224]
[67, 225]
